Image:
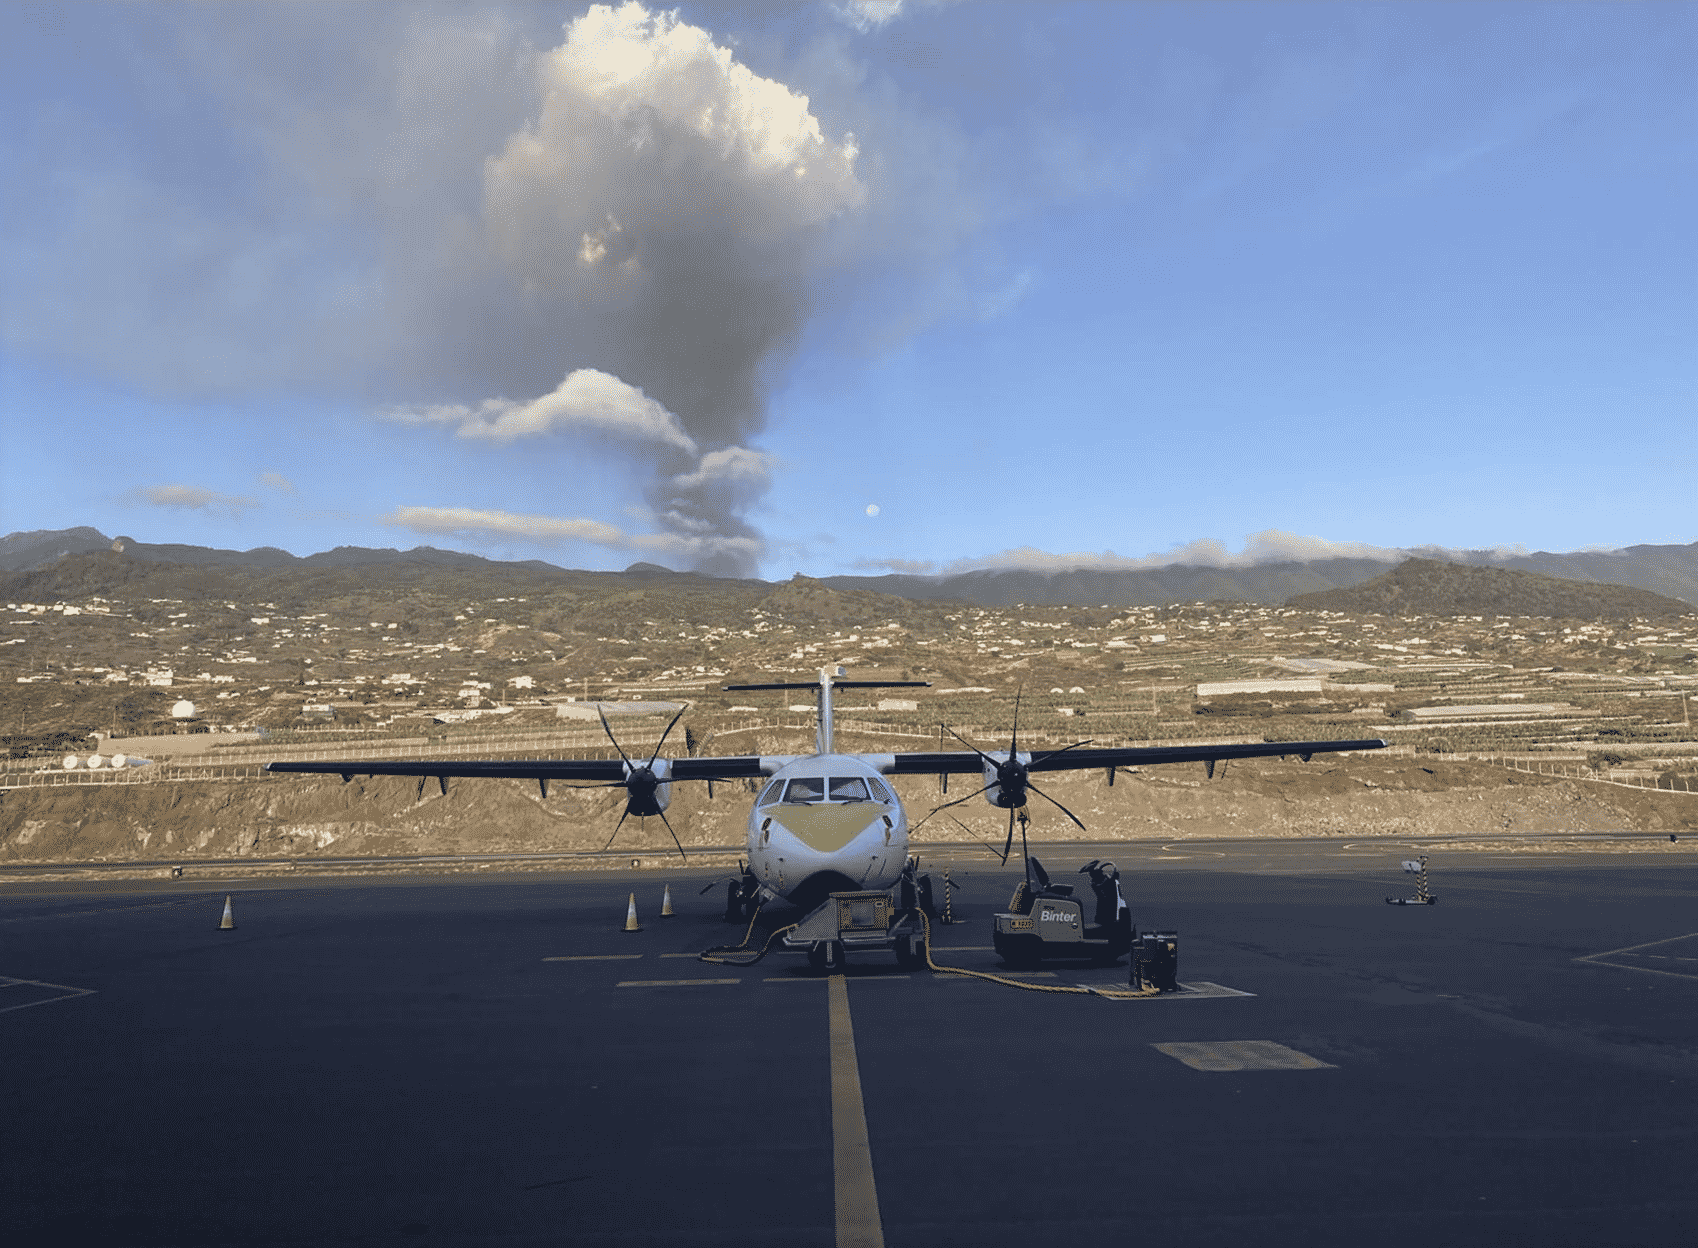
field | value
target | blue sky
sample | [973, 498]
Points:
[1045, 284]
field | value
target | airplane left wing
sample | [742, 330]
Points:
[605, 770]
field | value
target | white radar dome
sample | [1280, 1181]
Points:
[72, 762]
[183, 710]
[95, 762]
[120, 761]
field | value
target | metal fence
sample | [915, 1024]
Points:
[1571, 771]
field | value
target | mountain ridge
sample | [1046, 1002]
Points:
[1667, 570]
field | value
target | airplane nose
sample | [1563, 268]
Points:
[826, 829]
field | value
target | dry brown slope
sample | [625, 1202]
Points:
[312, 816]
[1433, 587]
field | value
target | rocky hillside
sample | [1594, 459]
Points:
[1432, 587]
[309, 816]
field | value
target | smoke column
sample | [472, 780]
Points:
[661, 217]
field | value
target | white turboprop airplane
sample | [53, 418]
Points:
[825, 822]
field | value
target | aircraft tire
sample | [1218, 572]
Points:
[911, 953]
[1018, 951]
[826, 955]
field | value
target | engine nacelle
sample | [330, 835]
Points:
[1005, 781]
[648, 787]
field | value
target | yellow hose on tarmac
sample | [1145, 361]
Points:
[1119, 994]
[712, 955]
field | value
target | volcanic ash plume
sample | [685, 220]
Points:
[663, 214]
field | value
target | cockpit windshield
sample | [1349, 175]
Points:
[820, 789]
[849, 789]
[810, 789]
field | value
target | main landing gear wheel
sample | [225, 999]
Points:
[826, 955]
[911, 953]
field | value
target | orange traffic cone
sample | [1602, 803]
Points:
[228, 922]
[666, 903]
[631, 924]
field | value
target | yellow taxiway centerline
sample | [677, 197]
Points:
[858, 1221]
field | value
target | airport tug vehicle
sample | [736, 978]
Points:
[1045, 920]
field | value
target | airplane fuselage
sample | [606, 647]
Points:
[826, 823]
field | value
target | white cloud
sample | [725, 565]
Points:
[588, 400]
[685, 549]
[1267, 546]
[194, 498]
[277, 481]
[865, 15]
[908, 567]
[733, 475]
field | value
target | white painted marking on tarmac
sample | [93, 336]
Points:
[858, 1222]
[595, 957]
[1202, 990]
[1597, 959]
[680, 955]
[1223, 1055]
[1189, 992]
[61, 992]
[671, 983]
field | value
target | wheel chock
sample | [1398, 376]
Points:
[631, 924]
[228, 922]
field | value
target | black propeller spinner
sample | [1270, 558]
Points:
[1013, 781]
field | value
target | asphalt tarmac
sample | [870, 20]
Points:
[493, 1061]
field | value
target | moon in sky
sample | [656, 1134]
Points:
[872, 509]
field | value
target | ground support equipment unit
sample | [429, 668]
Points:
[857, 923]
[1417, 868]
[1045, 920]
[1155, 962]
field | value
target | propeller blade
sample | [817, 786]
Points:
[1057, 805]
[675, 840]
[669, 727]
[1014, 736]
[616, 828]
[1054, 753]
[963, 740]
[1008, 845]
[1025, 851]
[610, 736]
[956, 802]
[976, 837]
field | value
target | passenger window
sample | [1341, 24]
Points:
[848, 789]
[809, 790]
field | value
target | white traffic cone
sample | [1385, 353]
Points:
[631, 924]
[666, 903]
[228, 922]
